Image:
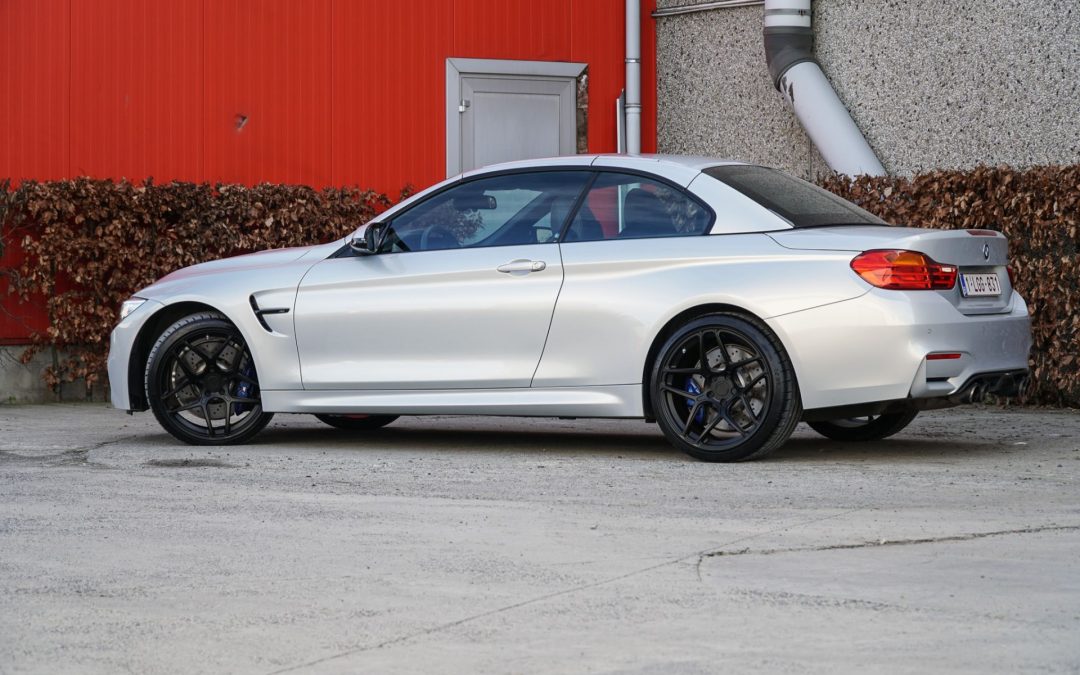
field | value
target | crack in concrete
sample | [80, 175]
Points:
[888, 542]
[79, 456]
[549, 596]
[701, 556]
[102, 444]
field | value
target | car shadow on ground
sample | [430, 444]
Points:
[897, 448]
[640, 442]
[457, 439]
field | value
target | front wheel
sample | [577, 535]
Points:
[724, 390]
[868, 428]
[357, 422]
[201, 382]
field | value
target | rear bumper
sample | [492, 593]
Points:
[976, 389]
[1009, 383]
[874, 348]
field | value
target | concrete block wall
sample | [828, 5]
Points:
[932, 84]
[23, 383]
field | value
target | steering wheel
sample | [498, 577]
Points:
[433, 233]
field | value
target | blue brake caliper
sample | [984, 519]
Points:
[692, 387]
[243, 389]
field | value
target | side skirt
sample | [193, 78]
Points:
[611, 401]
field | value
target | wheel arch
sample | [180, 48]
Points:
[151, 329]
[671, 326]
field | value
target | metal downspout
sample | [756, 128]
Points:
[789, 46]
[633, 77]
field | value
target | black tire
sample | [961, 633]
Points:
[201, 382]
[357, 422]
[723, 389]
[870, 428]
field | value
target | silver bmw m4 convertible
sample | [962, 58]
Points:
[727, 302]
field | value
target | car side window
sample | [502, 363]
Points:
[627, 206]
[503, 210]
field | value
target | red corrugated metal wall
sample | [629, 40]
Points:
[321, 92]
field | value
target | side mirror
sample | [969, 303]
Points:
[368, 238]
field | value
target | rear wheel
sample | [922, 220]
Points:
[724, 390]
[201, 382]
[357, 422]
[868, 428]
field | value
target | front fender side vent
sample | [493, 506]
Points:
[260, 313]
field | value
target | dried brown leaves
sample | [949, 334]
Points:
[89, 244]
[1039, 210]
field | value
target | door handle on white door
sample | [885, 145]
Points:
[522, 266]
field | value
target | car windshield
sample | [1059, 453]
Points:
[800, 203]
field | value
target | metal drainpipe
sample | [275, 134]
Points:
[789, 47]
[633, 77]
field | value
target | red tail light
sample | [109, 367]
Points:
[904, 271]
[944, 356]
[1012, 275]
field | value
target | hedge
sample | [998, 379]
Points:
[1038, 209]
[90, 243]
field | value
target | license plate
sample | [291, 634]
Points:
[979, 284]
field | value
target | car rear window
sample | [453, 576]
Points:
[802, 204]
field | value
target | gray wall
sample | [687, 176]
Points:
[23, 383]
[932, 83]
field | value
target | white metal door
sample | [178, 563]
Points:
[507, 119]
[500, 110]
[427, 320]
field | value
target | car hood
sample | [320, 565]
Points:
[250, 261]
[277, 268]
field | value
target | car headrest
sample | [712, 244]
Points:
[644, 215]
[560, 209]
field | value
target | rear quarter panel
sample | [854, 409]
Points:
[871, 348]
[618, 295]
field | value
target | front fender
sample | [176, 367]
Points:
[231, 290]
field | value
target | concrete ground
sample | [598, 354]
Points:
[484, 545]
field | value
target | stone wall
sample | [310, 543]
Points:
[932, 83]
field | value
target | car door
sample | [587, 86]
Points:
[460, 294]
[625, 260]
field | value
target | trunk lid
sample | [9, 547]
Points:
[972, 251]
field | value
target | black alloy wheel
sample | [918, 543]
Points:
[201, 382]
[724, 390]
[357, 422]
[866, 428]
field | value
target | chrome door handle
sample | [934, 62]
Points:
[522, 266]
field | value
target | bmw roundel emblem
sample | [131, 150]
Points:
[986, 251]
